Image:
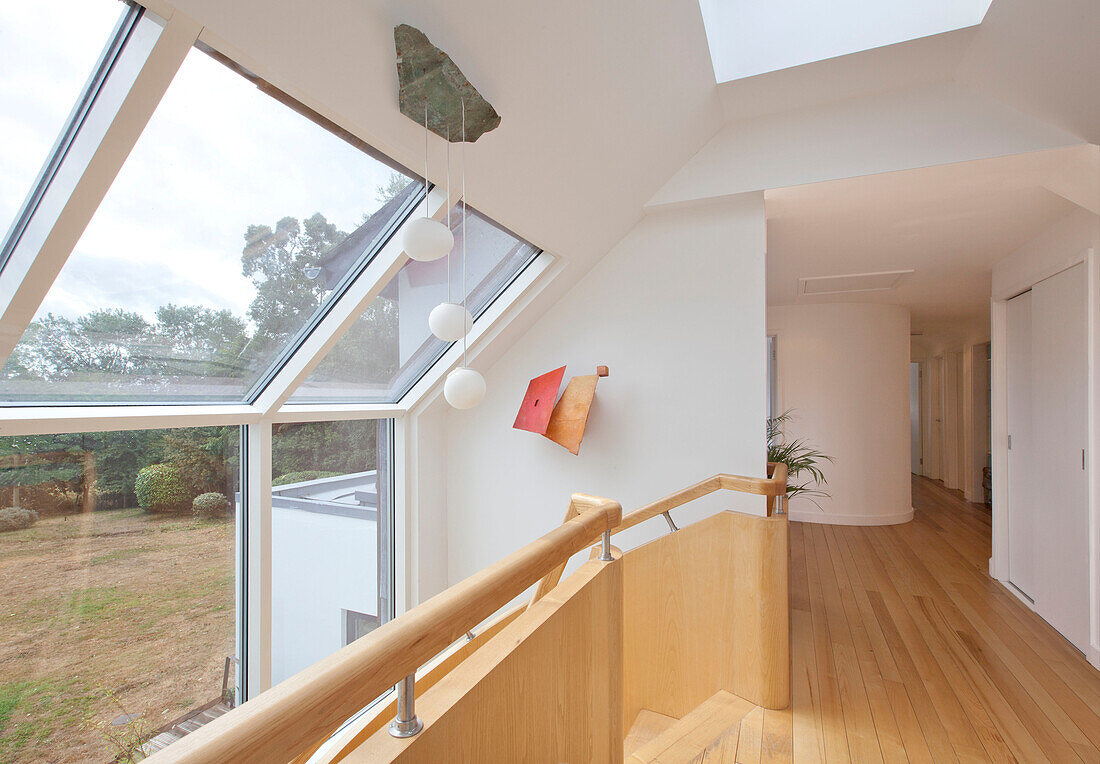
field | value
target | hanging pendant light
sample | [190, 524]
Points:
[464, 387]
[426, 239]
[449, 321]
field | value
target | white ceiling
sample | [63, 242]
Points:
[881, 70]
[603, 102]
[600, 102]
[948, 223]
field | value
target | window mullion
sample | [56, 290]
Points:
[368, 285]
[80, 184]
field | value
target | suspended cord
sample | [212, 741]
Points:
[425, 157]
[448, 208]
[465, 310]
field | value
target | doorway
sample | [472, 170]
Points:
[915, 456]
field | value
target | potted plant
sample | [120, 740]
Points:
[800, 458]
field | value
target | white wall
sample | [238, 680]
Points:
[676, 309]
[1058, 247]
[322, 564]
[844, 372]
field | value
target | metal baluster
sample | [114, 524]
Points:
[671, 525]
[605, 550]
[406, 724]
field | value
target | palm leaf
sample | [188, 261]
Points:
[801, 459]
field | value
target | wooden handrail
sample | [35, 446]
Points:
[772, 486]
[291, 717]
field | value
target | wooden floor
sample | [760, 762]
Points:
[905, 649]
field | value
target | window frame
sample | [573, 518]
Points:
[124, 27]
[256, 414]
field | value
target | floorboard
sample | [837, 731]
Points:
[904, 649]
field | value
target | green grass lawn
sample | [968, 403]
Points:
[109, 614]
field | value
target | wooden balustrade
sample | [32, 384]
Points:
[290, 718]
[774, 486]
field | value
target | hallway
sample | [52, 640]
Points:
[904, 649]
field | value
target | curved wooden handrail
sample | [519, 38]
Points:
[773, 485]
[289, 718]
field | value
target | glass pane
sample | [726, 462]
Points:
[331, 538]
[117, 589]
[390, 346]
[228, 227]
[47, 52]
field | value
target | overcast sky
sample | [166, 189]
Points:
[217, 156]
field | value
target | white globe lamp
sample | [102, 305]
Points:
[464, 388]
[450, 321]
[426, 239]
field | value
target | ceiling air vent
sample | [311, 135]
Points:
[851, 282]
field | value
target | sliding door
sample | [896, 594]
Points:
[1021, 549]
[1059, 354]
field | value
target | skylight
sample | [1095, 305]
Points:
[749, 37]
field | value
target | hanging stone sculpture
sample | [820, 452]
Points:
[427, 74]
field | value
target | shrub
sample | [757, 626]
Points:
[159, 489]
[64, 498]
[303, 475]
[210, 505]
[16, 519]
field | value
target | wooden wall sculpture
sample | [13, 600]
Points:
[563, 422]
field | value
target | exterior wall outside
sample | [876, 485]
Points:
[844, 373]
[676, 310]
[324, 562]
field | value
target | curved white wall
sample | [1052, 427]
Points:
[844, 371]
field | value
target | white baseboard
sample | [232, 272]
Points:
[831, 518]
[1094, 656]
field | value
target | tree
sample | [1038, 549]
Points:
[339, 447]
[142, 356]
[197, 341]
[393, 186]
[108, 342]
[276, 261]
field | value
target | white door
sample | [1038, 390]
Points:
[914, 418]
[952, 386]
[1059, 488]
[934, 447]
[1021, 551]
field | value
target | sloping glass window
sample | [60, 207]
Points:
[389, 347]
[47, 52]
[218, 244]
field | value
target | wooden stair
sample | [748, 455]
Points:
[709, 734]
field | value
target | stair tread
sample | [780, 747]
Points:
[708, 733]
[647, 725]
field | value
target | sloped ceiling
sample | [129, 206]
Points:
[605, 101]
[1043, 57]
[609, 105]
[600, 101]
